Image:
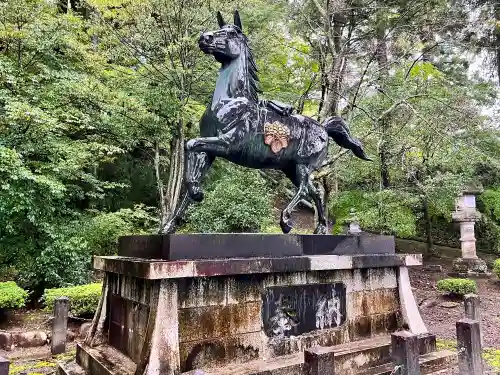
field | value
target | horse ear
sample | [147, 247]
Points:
[237, 20]
[220, 20]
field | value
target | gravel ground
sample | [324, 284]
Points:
[440, 313]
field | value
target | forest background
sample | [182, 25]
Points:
[97, 99]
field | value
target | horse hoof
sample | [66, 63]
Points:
[195, 192]
[321, 229]
[286, 226]
[190, 144]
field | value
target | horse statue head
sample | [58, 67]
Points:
[227, 43]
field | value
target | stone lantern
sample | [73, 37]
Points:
[466, 215]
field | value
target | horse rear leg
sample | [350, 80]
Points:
[300, 178]
[198, 165]
[319, 201]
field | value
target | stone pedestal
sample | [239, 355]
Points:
[469, 265]
[249, 315]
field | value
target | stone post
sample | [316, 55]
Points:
[4, 366]
[59, 325]
[469, 347]
[405, 352]
[471, 302]
[354, 228]
[472, 310]
[320, 361]
[466, 215]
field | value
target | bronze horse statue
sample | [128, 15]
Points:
[257, 134]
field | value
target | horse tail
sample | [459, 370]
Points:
[337, 129]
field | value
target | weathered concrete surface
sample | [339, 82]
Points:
[104, 360]
[201, 323]
[163, 355]
[319, 361]
[469, 347]
[350, 359]
[405, 352]
[158, 269]
[409, 308]
[59, 325]
[472, 304]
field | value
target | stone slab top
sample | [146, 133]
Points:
[154, 269]
[194, 246]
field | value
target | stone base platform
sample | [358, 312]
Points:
[238, 315]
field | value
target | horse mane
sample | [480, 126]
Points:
[252, 78]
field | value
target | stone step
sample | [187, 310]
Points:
[357, 354]
[104, 360]
[69, 368]
[429, 363]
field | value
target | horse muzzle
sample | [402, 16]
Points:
[206, 42]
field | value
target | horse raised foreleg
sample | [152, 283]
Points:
[197, 166]
[216, 146]
[301, 178]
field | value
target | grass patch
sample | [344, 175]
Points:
[446, 344]
[492, 357]
[40, 367]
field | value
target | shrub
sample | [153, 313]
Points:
[496, 268]
[12, 296]
[458, 287]
[237, 201]
[83, 298]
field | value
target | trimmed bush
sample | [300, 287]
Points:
[12, 296]
[496, 268]
[83, 298]
[459, 287]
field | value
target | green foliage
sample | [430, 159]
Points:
[12, 296]
[458, 287]
[496, 267]
[490, 200]
[237, 201]
[83, 298]
[488, 235]
[86, 101]
[388, 211]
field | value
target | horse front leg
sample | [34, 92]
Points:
[198, 165]
[301, 178]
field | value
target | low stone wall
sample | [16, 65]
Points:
[10, 340]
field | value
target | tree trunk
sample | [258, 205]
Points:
[428, 227]
[497, 37]
[169, 197]
[383, 67]
[384, 162]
